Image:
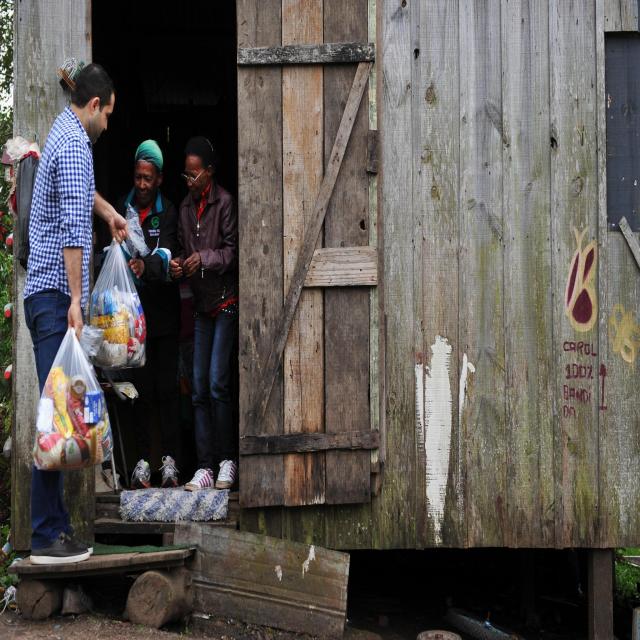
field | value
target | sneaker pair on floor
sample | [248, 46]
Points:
[141, 476]
[203, 478]
[64, 548]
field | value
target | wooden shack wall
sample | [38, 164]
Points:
[508, 422]
[46, 33]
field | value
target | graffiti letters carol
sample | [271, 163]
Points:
[580, 348]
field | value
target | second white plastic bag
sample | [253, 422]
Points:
[116, 309]
[72, 429]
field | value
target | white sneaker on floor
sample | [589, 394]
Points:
[227, 475]
[202, 479]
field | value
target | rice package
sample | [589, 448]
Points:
[115, 308]
[72, 429]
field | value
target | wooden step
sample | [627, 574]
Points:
[118, 526]
[101, 564]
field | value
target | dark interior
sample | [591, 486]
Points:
[174, 71]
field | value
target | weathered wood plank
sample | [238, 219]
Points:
[302, 176]
[481, 294]
[528, 303]
[612, 15]
[574, 217]
[620, 15]
[101, 564]
[396, 502]
[260, 231]
[267, 581]
[327, 53]
[343, 267]
[347, 310]
[301, 442]
[439, 458]
[37, 101]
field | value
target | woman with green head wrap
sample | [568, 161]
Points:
[149, 151]
[156, 381]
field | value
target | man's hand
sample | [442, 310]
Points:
[192, 264]
[137, 266]
[74, 317]
[118, 227]
[117, 224]
[175, 268]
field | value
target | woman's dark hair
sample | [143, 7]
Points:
[92, 81]
[201, 147]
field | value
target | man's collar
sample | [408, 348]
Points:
[71, 114]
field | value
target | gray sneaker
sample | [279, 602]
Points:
[141, 476]
[62, 550]
[169, 472]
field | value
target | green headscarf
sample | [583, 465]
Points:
[149, 151]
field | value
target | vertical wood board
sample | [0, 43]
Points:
[346, 311]
[574, 198]
[396, 503]
[302, 127]
[481, 316]
[527, 275]
[260, 231]
[436, 103]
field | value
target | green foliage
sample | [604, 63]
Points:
[6, 579]
[6, 48]
[627, 581]
[6, 267]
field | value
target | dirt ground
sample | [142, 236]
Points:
[98, 627]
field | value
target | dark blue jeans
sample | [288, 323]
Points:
[46, 317]
[214, 339]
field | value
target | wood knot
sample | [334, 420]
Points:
[430, 94]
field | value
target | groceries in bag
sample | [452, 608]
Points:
[72, 429]
[116, 309]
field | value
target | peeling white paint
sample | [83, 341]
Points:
[310, 558]
[279, 572]
[434, 415]
[467, 367]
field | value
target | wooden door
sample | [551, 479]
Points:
[308, 254]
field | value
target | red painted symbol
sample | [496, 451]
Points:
[603, 375]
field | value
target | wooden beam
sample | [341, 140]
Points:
[631, 239]
[311, 237]
[328, 53]
[306, 442]
[343, 267]
[600, 593]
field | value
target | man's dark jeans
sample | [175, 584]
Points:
[46, 316]
[214, 341]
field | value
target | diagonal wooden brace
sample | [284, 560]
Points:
[312, 234]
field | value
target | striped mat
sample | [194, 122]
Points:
[172, 505]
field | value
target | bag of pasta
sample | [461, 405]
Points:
[115, 308]
[72, 428]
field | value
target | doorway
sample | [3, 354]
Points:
[174, 71]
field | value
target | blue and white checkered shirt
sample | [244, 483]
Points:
[61, 207]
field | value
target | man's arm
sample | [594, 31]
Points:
[73, 267]
[117, 224]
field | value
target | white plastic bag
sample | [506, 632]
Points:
[136, 244]
[115, 307]
[73, 429]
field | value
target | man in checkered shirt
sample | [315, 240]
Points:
[57, 286]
